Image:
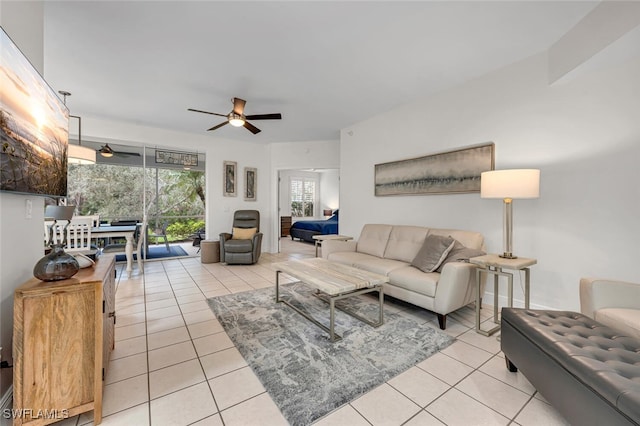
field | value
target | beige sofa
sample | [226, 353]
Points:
[390, 249]
[613, 303]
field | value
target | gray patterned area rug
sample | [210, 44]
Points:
[306, 375]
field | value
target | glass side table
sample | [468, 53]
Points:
[492, 264]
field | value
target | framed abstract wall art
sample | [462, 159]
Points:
[186, 159]
[451, 172]
[229, 178]
[250, 183]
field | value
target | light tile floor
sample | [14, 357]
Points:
[173, 364]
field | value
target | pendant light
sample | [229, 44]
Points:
[78, 154]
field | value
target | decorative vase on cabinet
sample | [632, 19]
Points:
[57, 265]
[62, 338]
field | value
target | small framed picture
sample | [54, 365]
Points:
[229, 179]
[250, 183]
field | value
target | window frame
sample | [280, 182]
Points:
[304, 179]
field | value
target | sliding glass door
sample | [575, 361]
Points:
[164, 188]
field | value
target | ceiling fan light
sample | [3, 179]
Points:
[106, 151]
[236, 120]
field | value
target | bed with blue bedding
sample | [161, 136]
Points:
[306, 229]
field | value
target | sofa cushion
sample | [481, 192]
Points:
[373, 239]
[460, 253]
[413, 279]
[433, 251]
[238, 246]
[467, 238]
[405, 242]
[349, 257]
[379, 266]
[623, 319]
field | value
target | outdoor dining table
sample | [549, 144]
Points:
[108, 231]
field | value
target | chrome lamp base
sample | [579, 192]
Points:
[508, 230]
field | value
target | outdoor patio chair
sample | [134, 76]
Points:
[161, 232]
[125, 222]
[197, 238]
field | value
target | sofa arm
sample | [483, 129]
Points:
[456, 287]
[598, 293]
[332, 246]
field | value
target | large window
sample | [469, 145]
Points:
[120, 188]
[303, 192]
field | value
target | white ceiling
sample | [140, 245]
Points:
[323, 65]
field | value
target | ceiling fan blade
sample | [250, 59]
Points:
[238, 105]
[276, 116]
[253, 129]
[206, 112]
[125, 154]
[218, 126]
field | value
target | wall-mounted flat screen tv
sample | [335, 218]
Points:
[34, 128]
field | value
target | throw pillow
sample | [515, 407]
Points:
[243, 233]
[460, 253]
[433, 251]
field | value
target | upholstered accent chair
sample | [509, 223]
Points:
[244, 245]
[613, 303]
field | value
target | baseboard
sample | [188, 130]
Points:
[5, 402]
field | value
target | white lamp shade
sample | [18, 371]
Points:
[514, 183]
[78, 154]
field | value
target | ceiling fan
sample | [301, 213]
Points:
[237, 118]
[107, 151]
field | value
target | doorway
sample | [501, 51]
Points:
[305, 194]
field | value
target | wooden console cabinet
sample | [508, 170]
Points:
[285, 226]
[63, 335]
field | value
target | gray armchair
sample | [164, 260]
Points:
[242, 251]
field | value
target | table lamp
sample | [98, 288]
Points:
[508, 185]
[57, 265]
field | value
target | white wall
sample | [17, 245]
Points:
[306, 155]
[584, 135]
[20, 238]
[330, 189]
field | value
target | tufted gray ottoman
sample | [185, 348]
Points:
[589, 372]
